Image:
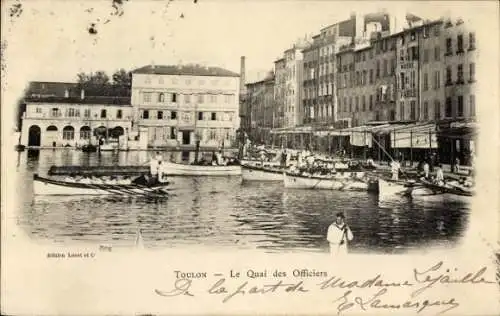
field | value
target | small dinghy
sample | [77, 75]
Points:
[348, 181]
[46, 186]
[446, 192]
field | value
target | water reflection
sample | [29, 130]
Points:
[222, 211]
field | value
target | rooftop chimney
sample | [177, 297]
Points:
[242, 75]
[82, 94]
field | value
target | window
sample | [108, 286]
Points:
[371, 76]
[472, 103]
[161, 97]
[363, 79]
[460, 106]
[213, 134]
[86, 113]
[119, 114]
[401, 110]
[213, 116]
[413, 36]
[85, 132]
[460, 73]
[377, 74]
[472, 41]
[393, 66]
[145, 114]
[437, 80]
[201, 98]
[68, 133]
[447, 110]
[426, 110]
[370, 104]
[159, 115]
[437, 110]
[173, 115]
[146, 97]
[213, 98]
[426, 56]
[200, 116]
[364, 103]
[55, 112]
[38, 110]
[174, 97]
[448, 46]
[173, 133]
[103, 113]
[350, 104]
[472, 72]
[426, 82]
[402, 55]
[72, 112]
[413, 110]
[437, 53]
[448, 75]
[460, 43]
[345, 104]
[357, 104]
[413, 80]
[426, 32]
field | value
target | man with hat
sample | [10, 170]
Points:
[338, 236]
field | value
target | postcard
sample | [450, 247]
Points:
[250, 157]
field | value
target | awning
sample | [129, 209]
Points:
[417, 135]
[291, 130]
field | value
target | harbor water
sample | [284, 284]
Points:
[224, 212]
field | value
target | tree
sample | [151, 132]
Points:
[97, 78]
[122, 78]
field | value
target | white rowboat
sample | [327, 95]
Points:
[387, 188]
[177, 169]
[46, 186]
[294, 181]
[254, 173]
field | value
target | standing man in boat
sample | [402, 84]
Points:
[395, 167]
[338, 235]
[153, 169]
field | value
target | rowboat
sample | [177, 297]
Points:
[394, 188]
[349, 181]
[46, 186]
[259, 173]
[98, 170]
[178, 169]
[446, 192]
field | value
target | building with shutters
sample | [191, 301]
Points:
[59, 114]
[179, 105]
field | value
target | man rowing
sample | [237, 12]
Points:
[338, 235]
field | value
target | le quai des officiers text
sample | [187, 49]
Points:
[254, 274]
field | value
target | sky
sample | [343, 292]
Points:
[50, 39]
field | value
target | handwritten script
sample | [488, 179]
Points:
[373, 293]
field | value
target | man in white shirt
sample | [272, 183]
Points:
[338, 236]
[395, 166]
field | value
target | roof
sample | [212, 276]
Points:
[46, 89]
[103, 100]
[185, 70]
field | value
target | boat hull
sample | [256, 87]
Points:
[177, 169]
[387, 189]
[42, 186]
[250, 173]
[339, 183]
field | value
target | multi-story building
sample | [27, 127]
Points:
[280, 80]
[182, 104]
[260, 102]
[319, 71]
[293, 112]
[51, 120]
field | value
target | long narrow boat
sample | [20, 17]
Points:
[98, 171]
[349, 181]
[432, 191]
[46, 186]
[178, 169]
[259, 173]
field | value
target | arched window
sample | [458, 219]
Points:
[52, 128]
[85, 132]
[161, 97]
[117, 132]
[68, 133]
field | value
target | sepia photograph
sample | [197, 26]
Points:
[220, 136]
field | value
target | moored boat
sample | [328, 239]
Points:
[394, 188]
[259, 173]
[350, 181]
[178, 169]
[98, 170]
[46, 186]
[444, 192]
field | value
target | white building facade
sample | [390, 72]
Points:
[179, 105]
[65, 122]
